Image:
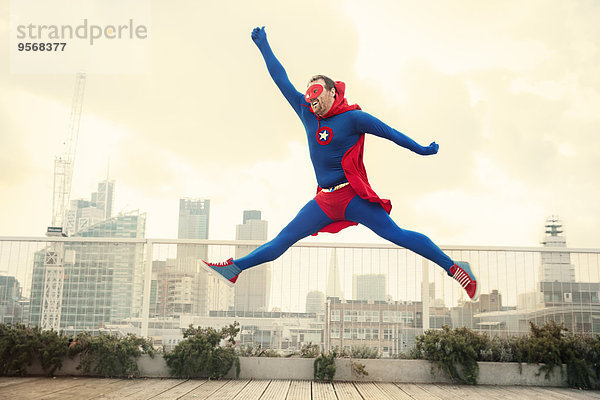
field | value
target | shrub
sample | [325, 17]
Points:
[499, 349]
[249, 350]
[20, 345]
[583, 361]
[324, 367]
[364, 352]
[53, 348]
[201, 355]
[453, 351]
[17, 349]
[542, 345]
[255, 350]
[110, 355]
[309, 350]
[358, 369]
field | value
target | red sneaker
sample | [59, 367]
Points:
[461, 272]
[227, 270]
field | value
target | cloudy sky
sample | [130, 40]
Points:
[510, 90]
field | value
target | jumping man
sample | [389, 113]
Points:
[336, 131]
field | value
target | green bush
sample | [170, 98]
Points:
[255, 350]
[583, 361]
[542, 345]
[364, 352]
[324, 367]
[554, 346]
[310, 350]
[109, 355]
[20, 345]
[249, 350]
[53, 347]
[499, 349]
[454, 351]
[201, 355]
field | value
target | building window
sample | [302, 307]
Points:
[335, 333]
[346, 333]
[406, 317]
[350, 315]
[372, 316]
[335, 315]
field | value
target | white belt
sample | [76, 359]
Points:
[336, 187]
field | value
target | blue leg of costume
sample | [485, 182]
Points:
[308, 221]
[374, 217]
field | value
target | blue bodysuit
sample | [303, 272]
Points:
[330, 139]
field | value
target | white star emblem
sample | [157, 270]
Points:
[323, 135]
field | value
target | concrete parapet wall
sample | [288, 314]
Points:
[379, 370]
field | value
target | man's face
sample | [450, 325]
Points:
[324, 99]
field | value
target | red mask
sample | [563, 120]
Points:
[313, 92]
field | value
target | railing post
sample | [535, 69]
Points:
[147, 288]
[425, 294]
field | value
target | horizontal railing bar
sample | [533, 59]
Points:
[43, 239]
[299, 244]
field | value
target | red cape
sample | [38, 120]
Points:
[352, 164]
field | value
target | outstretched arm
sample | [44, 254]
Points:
[369, 124]
[276, 70]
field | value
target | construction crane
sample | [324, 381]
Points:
[63, 176]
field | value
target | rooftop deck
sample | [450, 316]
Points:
[96, 388]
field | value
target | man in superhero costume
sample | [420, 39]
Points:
[336, 131]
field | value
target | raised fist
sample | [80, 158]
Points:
[259, 36]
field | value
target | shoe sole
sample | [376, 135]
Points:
[208, 269]
[476, 295]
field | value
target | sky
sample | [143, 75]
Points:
[509, 90]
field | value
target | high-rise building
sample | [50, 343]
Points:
[334, 288]
[369, 287]
[103, 283]
[253, 287]
[556, 266]
[208, 293]
[251, 215]
[315, 302]
[11, 310]
[84, 213]
[194, 217]
[104, 198]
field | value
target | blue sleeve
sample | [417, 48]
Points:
[369, 124]
[277, 72]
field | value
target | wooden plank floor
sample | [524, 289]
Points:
[95, 389]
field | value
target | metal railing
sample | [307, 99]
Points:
[370, 295]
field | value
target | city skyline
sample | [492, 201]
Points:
[560, 284]
[508, 90]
